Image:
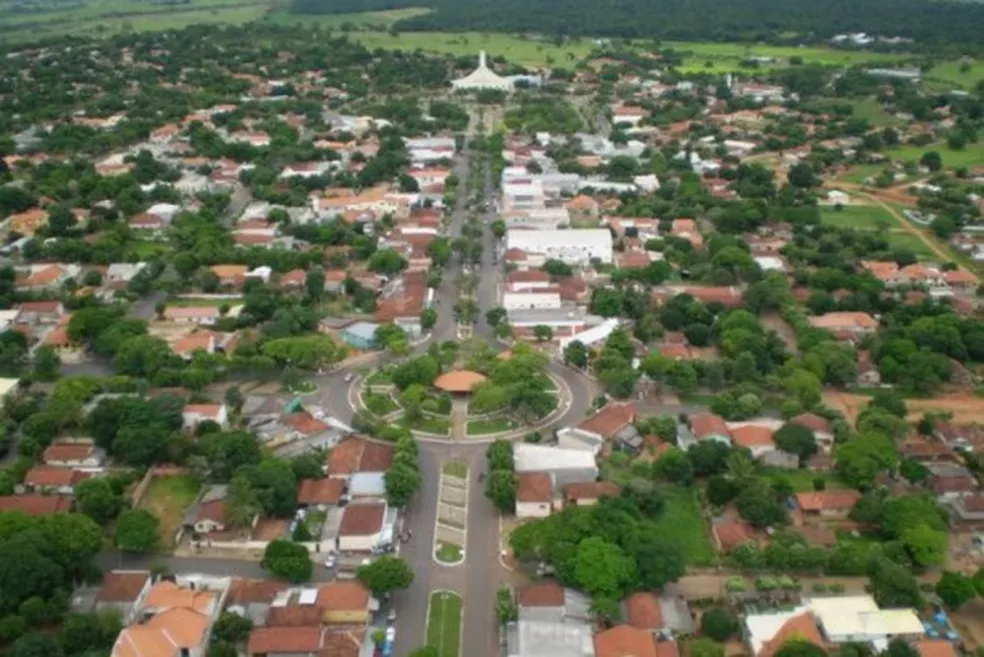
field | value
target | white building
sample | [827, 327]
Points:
[567, 466]
[575, 247]
[482, 78]
[527, 298]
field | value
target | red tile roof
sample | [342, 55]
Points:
[121, 586]
[534, 487]
[46, 476]
[63, 452]
[643, 611]
[541, 594]
[752, 436]
[611, 419]
[798, 628]
[625, 641]
[357, 454]
[708, 424]
[362, 519]
[320, 491]
[814, 423]
[36, 505]
[828, 500]
[591, 490]
[290, 640]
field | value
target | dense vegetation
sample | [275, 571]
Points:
[700, 19]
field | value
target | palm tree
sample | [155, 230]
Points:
[740, 466]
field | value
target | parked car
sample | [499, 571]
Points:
[331, 561]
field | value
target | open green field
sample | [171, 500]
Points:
[859, 217]
[107, 17]
[444, 623]
[201, 302]
[971, 156]
[369, 19]
[529, 52]
[728, 56]
[168, 498]
[949, 74]
[802, 480]
[682, 520]
[861, 172]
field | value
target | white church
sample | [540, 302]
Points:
[482, 78]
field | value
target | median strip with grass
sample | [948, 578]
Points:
[448, 552]
[444, 623]
[455, 469]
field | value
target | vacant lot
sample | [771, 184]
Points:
[369, 19]
[910, 242]
[683, 521]
[963, 74]
[168, 498]
[859, 217]
[444, 623]
[729, 56]
[965, 408]
[527, 51]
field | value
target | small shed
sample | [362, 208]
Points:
[360, 335]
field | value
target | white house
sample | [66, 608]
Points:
[526, 298]
[857, 619]
[534, 495]
[194, 414]
[575, 247]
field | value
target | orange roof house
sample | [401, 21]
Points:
[612, 418]
[625, 641]
[356, 454]
[802, 627]
[179, 624]
[828, 501]
[643, 611]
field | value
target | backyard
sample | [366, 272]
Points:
[168, 498]
[444, 623]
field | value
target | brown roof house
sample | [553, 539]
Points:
[35, 504]
[625, 641]
[612, 424]
[534, 495]
[768, 633]
[171, 620]
[365, 527]
[73, 455]
[120, 590]
[587, 493]
[208, 514]
[828, 503]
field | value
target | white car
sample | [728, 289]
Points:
[349, 377]
[330, 562]
[390, 634]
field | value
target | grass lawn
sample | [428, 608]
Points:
[380, 405]
[682, 521]
[910, 242]
[431, 424]
[146, 249]
[448, 552]
[168, 498]
[859, 217]
[378, 378]
[444, 623]
[802, 480]
[858, 174]
[455, 469]
[972, 155]
[495, 425]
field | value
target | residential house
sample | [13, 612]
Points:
[767, 633]
[49, 479]
[194, 414]
[832, 504]
[757, 438]
[286, 641]
[643, 612]
[588, 493]
[35, 504]
[534, 495]
[968, 510]
[360, 335]
[846, 325]
[858, 619]
[119, 591]
[198, 315]
[823, 431]
[320, 493]
[40, 312]
[362, 527]
[208, 514]
[708, 426]
[73, 455]
[625, 641]
[362, 463]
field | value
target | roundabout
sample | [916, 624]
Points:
[498, 398]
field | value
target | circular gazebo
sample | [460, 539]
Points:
[459, 382]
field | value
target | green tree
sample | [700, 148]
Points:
[97, 499]
[402, 482]
[287, 560]
[800, 648]
[500, 489]
[231, 628]
[705, 647]
[796, 439]
[602, 568]
[893, 585]
[35, 644]
[576, 354]
[955, 589]
[542, 333]
[718, 624]
[137, 530]
[505, 605]
[385, 575]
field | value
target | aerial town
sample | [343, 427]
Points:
[310, 349]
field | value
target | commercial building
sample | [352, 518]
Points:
[567, 466]
[575, 247]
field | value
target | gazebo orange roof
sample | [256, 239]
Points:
[458, 381]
